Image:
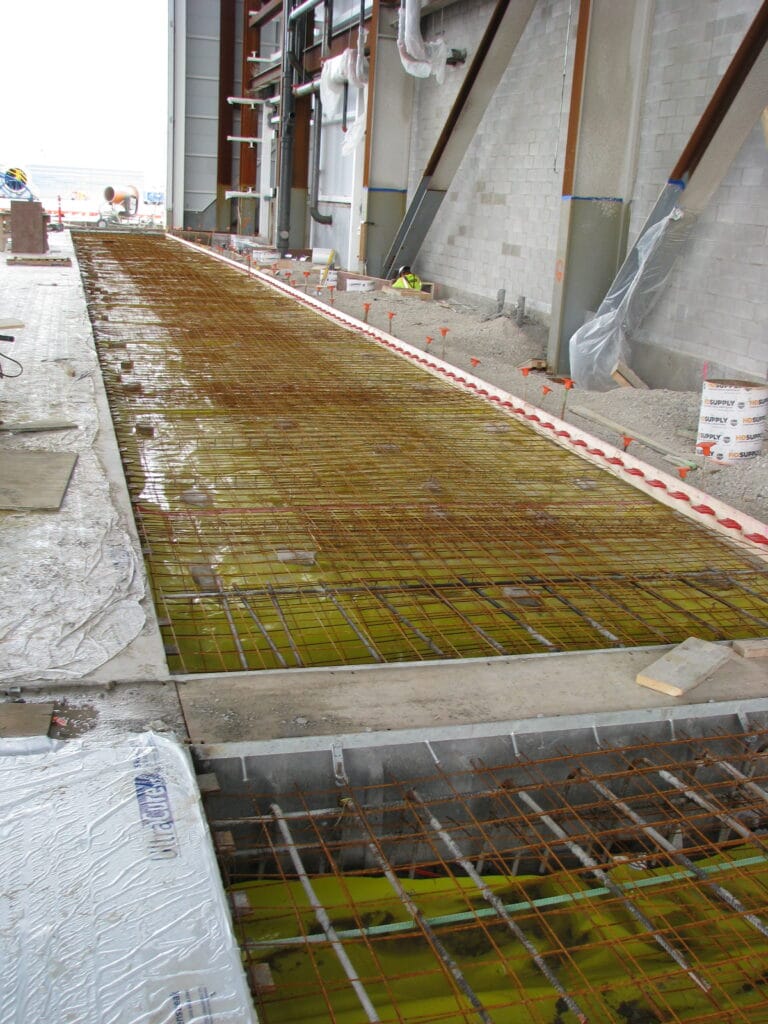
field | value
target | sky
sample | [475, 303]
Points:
[84, 83]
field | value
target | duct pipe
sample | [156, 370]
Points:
[314, 184]
[287, 126]
[307, 88]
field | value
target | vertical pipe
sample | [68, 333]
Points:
[177, 105]
[314, 181]
[287, 123]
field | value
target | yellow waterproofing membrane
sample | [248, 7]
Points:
[620, 884]
[307, 498]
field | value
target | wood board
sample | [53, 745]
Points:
[36, 426]
[684, 667]
[757, 648]
[35, 480]
[25, 719]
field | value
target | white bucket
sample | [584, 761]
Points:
[732, 418]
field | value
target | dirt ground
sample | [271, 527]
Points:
[669, 418]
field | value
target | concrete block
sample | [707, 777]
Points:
[684, 667]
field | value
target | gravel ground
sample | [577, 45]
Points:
[669, 418]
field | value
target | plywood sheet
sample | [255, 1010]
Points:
[34, 480]
[684, 667]
[24, 719]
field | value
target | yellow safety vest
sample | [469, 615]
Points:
[408, 281]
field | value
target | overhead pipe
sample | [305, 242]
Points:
[307, 88]
[314, 184]
[308, 5]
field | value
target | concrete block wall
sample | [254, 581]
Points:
[712, 316]
[498, 224]
[497, 227]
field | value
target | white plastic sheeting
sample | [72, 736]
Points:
[71, 580]
[600, 344]
[349, 68]
[419, 58]
[112, 909]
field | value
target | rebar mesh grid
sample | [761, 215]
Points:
[306, 498]
[622, 884]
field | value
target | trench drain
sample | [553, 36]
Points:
[505, 880]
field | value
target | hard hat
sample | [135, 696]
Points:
[404, 270]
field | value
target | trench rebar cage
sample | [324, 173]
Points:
[509, 879]
[305, 497]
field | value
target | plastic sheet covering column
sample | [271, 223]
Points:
[604, 341]
[112, 908]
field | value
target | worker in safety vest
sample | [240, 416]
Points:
[407, 279]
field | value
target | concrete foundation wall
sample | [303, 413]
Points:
[497, 227]
[712, 315]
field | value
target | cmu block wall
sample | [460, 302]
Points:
[497, 227]
[498, 224]
[713, 313]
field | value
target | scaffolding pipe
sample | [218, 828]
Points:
[307, 88]
[727, 819]
[410, 905]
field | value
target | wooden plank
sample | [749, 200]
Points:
[595, 417]
[9, 323]
[34, 480]
[410, 292]
[757, 648]
[36, 426]
[208, 783]
[625, 377]
[684, 667]
[39, 261]
[224, 842]
[25, 719]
